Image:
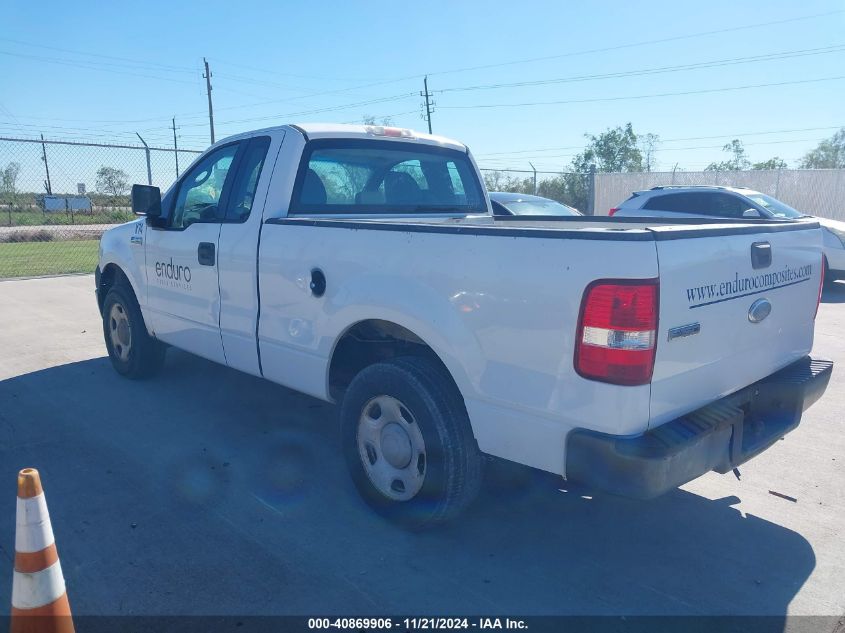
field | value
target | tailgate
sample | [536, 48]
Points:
[737, 303]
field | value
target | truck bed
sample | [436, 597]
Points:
[501, 312]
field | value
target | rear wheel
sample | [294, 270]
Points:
[408, 442]
[132, 351]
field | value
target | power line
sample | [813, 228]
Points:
[194, 115]
[336, 108]
[95, 66]
[166, 67]
[274, 72]
[659, 70]
[649, 96]
[641, 43]
[569, 54]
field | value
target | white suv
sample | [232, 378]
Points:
[732, 202]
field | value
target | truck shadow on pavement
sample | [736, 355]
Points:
[205, 491]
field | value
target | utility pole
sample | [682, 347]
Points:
[207, 77]
[428, 103]
[47, 185]
[175, 148]
[149, 162]
[534, 169]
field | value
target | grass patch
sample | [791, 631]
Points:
[30, 259]
[39, 218]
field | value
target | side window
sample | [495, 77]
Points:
[457, 183]
[414, 170]
[676, 202]
[330, 182]
[727, 206]
[242, 196]
[201, 190]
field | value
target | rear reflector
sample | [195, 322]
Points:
[612, 212]
[617, 331]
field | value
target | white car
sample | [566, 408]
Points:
[363, 265]
[732, 202]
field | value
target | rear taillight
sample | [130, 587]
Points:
[612, 212]
[617, 331]
[821, 287]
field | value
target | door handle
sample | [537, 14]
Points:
[205, 253]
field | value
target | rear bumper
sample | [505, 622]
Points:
[719, 437]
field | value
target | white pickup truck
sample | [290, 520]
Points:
[363, 265]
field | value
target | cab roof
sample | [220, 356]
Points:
[680, 188]
[342, 130]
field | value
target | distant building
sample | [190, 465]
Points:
[64, 204]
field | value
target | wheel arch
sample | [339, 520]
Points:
[369, 341]
[110, 275]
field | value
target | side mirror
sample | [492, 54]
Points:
[146, 200]
[751, 213]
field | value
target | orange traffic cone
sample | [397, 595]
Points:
[39, 599]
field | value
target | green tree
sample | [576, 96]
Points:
[501, 181]
[648, 148]
[829, 154]
[112, 182]
[615, 149]
[567, 188]
[9, 185]
[9, 181]
[737, 162]
[773, 163]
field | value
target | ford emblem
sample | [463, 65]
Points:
[759, 310]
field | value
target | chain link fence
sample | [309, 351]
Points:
[819, 192]
[57, 198]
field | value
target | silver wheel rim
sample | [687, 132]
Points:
[391, 448]
[119, 331]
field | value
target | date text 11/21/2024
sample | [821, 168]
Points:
[426, 623]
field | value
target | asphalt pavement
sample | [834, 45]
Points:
[206, 491]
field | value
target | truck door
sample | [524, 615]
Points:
[183, 294]
[239, 236]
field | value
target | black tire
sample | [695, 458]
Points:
[145, 355]
[453, 463]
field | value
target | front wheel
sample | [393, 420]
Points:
[132, 351]
[408, 443]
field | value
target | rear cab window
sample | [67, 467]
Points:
[364, 176]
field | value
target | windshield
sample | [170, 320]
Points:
[775, 207]
[364, 176]
[538, 207]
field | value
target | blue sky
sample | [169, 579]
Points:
[80, 70]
